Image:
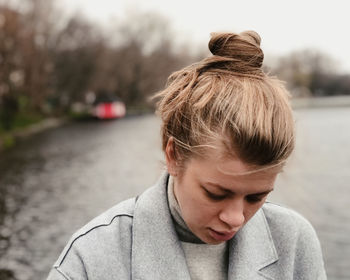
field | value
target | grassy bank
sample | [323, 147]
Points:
[20, 123]
[26, 125]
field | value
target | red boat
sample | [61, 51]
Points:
[107, 107]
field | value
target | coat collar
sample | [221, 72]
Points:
[157, 252]
[251, 250]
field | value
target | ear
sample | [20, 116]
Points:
[170, 157]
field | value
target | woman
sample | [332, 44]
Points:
[227, 131]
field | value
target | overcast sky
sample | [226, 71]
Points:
[283, 25]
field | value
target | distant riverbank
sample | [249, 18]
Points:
[9, 139]
[316, 102]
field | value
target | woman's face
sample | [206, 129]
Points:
[215, 202]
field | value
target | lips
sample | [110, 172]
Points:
[220, 235]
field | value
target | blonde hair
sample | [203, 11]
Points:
[227, 101]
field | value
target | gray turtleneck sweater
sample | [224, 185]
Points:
[204, 261]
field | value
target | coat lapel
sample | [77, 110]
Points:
[251, 250]
[156, 250]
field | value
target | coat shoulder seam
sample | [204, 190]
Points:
[88, 231]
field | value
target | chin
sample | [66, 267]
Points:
[209, 240]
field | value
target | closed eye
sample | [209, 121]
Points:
[254, 199]
[213, 196]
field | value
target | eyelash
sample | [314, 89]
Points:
[214, 196]
[253, 199]
[249, 199]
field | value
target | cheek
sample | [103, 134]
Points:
[197, 210]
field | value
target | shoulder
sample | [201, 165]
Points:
[284, 220]
[120, 212]
[283, 214]
[104, 241]
[295, 240]
[105, 224]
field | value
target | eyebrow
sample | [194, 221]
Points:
[231, 192]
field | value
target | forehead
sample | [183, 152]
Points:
[230, 163]
[231, 173]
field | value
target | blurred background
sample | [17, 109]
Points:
[77, 128]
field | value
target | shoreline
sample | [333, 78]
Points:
[320, 102]
[9, 140]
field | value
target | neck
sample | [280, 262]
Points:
[182, 230]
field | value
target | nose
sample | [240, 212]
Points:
[233, 214]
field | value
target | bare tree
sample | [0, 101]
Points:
[11, 66]
[40, 29]
[51, 61]
[307, 72]
[139, 57]
[26, 30]
[75, 56]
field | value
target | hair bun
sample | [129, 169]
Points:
[243, 47]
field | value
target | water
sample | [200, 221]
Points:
[316, 182]
[60, 179]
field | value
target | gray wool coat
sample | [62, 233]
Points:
[136, 239]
